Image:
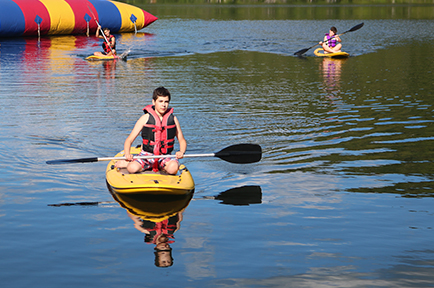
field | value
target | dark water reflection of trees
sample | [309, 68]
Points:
[288, 10]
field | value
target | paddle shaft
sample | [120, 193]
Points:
[306, 49]
[331, 38]
[155, 157]
[96, 159]
[102, 32]
[239, 153]
[357, 27]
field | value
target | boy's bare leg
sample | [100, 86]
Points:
[171, 167]
[121, 164]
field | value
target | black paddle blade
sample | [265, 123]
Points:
[357, 27]
[241, 153]
[124, 55]
[241, 196]
[66, 161]
[301, 52]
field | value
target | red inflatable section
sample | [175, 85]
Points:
[149, 18]
[80, 10]
[32, 9]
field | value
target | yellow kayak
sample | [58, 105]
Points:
[94, 57]
[148, 182]
[105, 58]
[320, 52]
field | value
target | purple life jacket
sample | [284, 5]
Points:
[333, 42]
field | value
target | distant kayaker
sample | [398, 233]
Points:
[158, 127]
[331, 43]
[108, 50]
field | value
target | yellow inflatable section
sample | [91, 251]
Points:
[127, 12]
[61, 16]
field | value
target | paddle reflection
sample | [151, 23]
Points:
[240, 196]
[158, 217]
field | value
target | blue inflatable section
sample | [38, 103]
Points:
[11, 19]
[108, 14]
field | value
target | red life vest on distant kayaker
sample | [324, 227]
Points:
[106, 46]
[332, 42]
[159, 135]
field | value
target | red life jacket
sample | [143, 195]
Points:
[159, 135]
[166, 227]
[106, 46]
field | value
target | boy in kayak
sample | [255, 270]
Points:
[330, 43]
[111, 41]
[158, 127]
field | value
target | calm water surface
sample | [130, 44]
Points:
[341, 198]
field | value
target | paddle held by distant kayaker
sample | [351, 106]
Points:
[109, 43]
[331, 42]
[158, 127]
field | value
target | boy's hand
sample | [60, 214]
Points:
[128, 157]
[179, 155]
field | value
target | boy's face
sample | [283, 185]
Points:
[164, 258]
[161, 104]
[107, 32]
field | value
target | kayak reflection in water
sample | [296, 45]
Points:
[160, 234]
[331, 71]
[331, 43]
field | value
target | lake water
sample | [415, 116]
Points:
[343, 196]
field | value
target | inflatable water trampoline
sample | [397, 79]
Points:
[62, 17]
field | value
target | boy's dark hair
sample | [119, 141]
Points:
[160, 91]
[334, 30]
[157, 258]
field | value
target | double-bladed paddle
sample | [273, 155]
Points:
[239, 154]
[302, 51]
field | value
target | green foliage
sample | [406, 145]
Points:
[283, 2]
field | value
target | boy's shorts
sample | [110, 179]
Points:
[148, 163]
